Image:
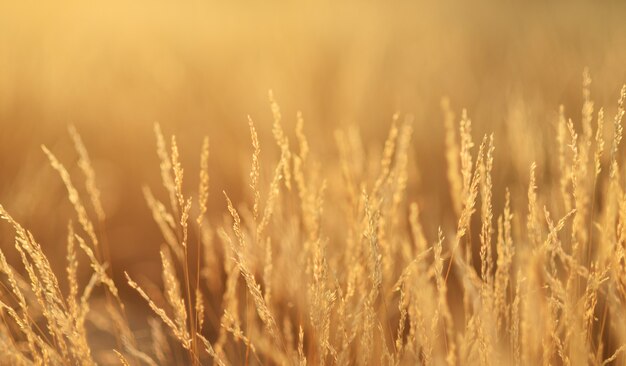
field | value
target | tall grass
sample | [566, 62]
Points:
[322, 266]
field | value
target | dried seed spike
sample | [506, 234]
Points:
[270, 202]
[453, 153]
[268, 270]
[486, 188]
[281, 140]
[203, 187]
[99, 268]
[4, 266]
[599, 142]
[72, 267]
[184, 218]
[121, 357]
[199, 310]
[178, 173]
[165, 221]
[371, 234]
[613, 357]
[74, 197]
[617, 134]
[465, 129]
[505, 251]
[253, 287]
[587, 110]
[173, 293]
[387, 157]
[211, 351]
[166, 167]
[255, 172]
[301, 357]
[442, 302]
[563, 166]
[90, 176]
[533, 223]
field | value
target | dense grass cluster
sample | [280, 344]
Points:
[334, 266]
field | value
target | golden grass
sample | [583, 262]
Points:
[336, 266]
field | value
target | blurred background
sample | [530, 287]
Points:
[199, 68]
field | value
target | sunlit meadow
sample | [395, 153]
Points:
[321, 183]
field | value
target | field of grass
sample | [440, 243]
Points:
[328, 183]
